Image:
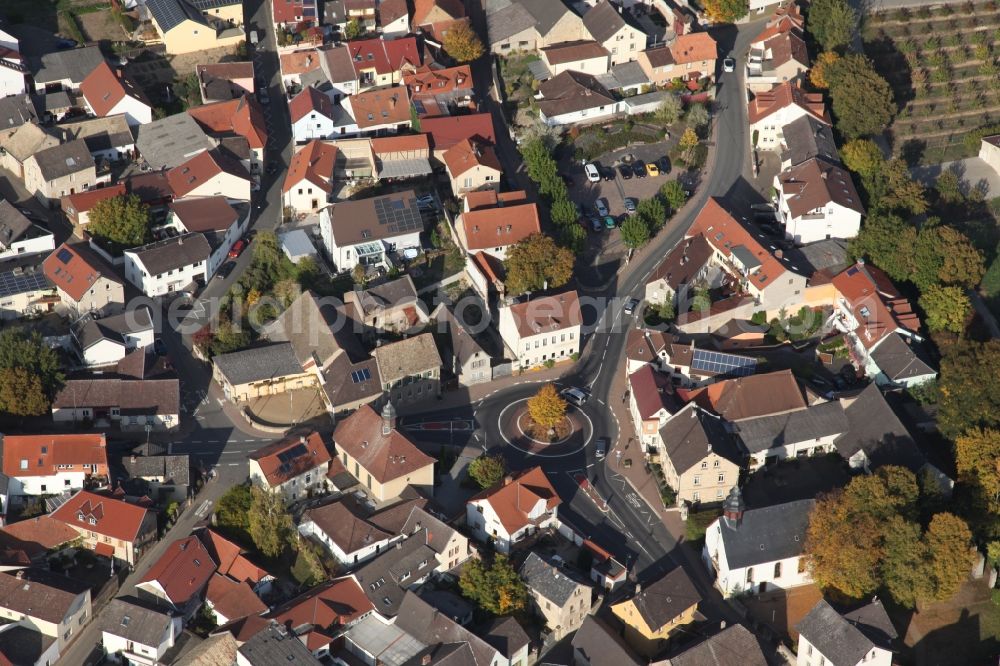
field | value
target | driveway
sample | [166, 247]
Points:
[586, 193]
[974, 173]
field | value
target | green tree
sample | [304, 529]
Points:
[726, 11]
[862, 156]
[547, 408]
[652, 213]
[970, 393]
[308, 568]
[229, 336]
[21, 393]
[270, 524]
[831, 22]
[563, 212]
[950, 556]
[688, 140]
[818, 73]
[946, 308]
[977, 459]
[697, 116]
[232, 513]
[462, 43]
[122, 221]
[702, 299]
[673, 194]
[888, 242]
[353, 29]
[536, 262]
[669, 111]
[573, 238]
[28, 351]
[863, 104]
[496, 587]
[487, 471]
[944, 255]
[635, 232]
[949, 187]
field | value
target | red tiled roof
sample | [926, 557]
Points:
[403, 52]
[231, 599]
[204, 213]
[308, 101]
[468, 154]
[84, 201]
[492, 198]
[104, 549]
[859, 288]
[546, 314]
[242, 116]
[113, 518]
[299, 62]
[337, 602]
[385, 457]
[230, 558]
[310, 452]
[783, 95]
[446, 131]
[42, 455]
[426, 81]
[517, 496]
[498, 227]
[182, 570]
[753, 396]
[724, 233]
[314, 163]
[42, 531]
[289, 11]
[651, 390]
[103, 88]
[422, 9]
[185, 178]
[75, 269]
[567, 52]
[384, 106]
[384, 56]
[693, 47]
[400, 143]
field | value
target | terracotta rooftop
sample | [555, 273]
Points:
[182, 571]
[693, 47]
[348, 531]
[492, 198]
[76, 269]
[328, 605]
[104, 88]
[753, 396]
[499, 227]
[242, 116]
[231, 599]
[230, 558]
[400, 143]
[47, 455]
[285, 459]
[426, 81]
[446, 131]
[431, 11]
[298, 62]
[43, 531]
[384, 106]
[91, 512]
[652, 391]
[201, 168]
[547, 314]
[517, 495]
[385, 455]
[314, 163]
[84, 201]
[869, 303]
[469, 154]
[308, 101]
[816, 183]
[784, 95]
[565, 52]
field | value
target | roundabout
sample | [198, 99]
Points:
[570, 437]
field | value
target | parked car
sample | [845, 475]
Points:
[159, 348]
[237, 249]
[601, 448]
[30, 214]
[625, 171]
[574, 395]
[630, 205]
[652, 169]
[632, 304]
[593, 175]
[272, 168]
[664, 164]
[225, 269]
[639, 169]
[607, 174]
[609, 222]
[728, 65]
[427, 202]
[601, 205]
[595, 224]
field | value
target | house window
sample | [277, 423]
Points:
[696, 497]
[722, 478]
[777, 569]
[704, 464]
[715, 464]
[697, 480]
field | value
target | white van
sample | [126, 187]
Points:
[254, 38]
[575, 395]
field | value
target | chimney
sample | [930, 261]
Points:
[507, 480]
[732, 509]
[779, 253]
[860, 262]
[425, 660]
[302, 439]
[133, 459]
[180, 240]
[19, 575]
[638, 588]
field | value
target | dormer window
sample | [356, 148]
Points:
[92, 521]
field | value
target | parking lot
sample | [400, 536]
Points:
[586, 193]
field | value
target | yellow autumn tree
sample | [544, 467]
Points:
[547, 408]
[462, 43]
[820, 68]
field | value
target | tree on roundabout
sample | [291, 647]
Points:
[547, 410]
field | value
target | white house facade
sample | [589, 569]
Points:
[542, 330]
[169, 265]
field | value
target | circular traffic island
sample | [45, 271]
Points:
[569, 435]
[544, 433]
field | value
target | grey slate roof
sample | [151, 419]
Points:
[408, 357]
[171, 13]
[461, 343]
[100, 134]
[733, 646]
[16, 110]
[387, 294]
[72, 64]
[134, 623]
[767, 534]
[171, 141]
[431, 627]
[599, 645]
[173, 253]
[258, 363]
[828, 255]
[816, 421]
[505, 634]
[624, 75]
[806, 138]
[603, 21]
[548, 580]
[13, 225]
[844, 639]
[273, 646]
[306, 325]
[89, 331]
[64, 159]
[508, 21]
[572, 91]
[691, 433]
[899, 360]
[874, 427]
[546, 13]
[175, 470]
[666, 599]
[386, 578]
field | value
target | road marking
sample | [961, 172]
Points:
[202, 510]
[232, 464]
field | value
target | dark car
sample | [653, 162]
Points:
[625, 171]
[639, 169]
[159, 348]
[607, 174]
[664, 164]
[272, 168]
[226, 269]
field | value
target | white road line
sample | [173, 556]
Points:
[233, 464]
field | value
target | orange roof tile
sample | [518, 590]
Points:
[385, 106]
[307, 101]
[384, 456]
[84, 201]
[308, 452]
[515, 497]
[753, 396]
[334, 603]
[103, 88]
[446, 131]
[724, 233]
[42, 455]
[242, 116]
[492, 198]
[314, 163]
[859, 288]
[442, 10]
[498, 227]
[426, 81]
[548, 313]
[299, 62]
[693, 47]
[183, 570]
[76, 268]
[41, 531]
[784, 95]
[231, 559]
[231, 599]
[185, 178]
[468, 154]
[112, 517]
[400, 143]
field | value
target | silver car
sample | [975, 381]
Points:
[602, 207]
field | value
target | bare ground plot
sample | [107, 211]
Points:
[962, 630]
[153, 71]
[943, 67]
[781, 610]
[100, 26]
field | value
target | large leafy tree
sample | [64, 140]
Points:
[946, 308]
[122, 221]
[670, 110]
[28, 351]
[817, 75]
[232, 513]
[270, 524]
[537, 262]
[673, 194]
[547, 408]
[863, 104]
[652, 213]
[866, 536]
[892, 188]
[21, 393]
[462, 43]
[944, 255]
[970, 393]
[496, 587]
[831, 22]
[635, 233]
[863, 156]
[887, 241]
[487, 471]
[726, 11]
[977, 458]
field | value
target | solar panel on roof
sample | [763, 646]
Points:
[723, 364]
[362, 375]
[291, 454]
[399, 216]
[12, 283]
[64, 255]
